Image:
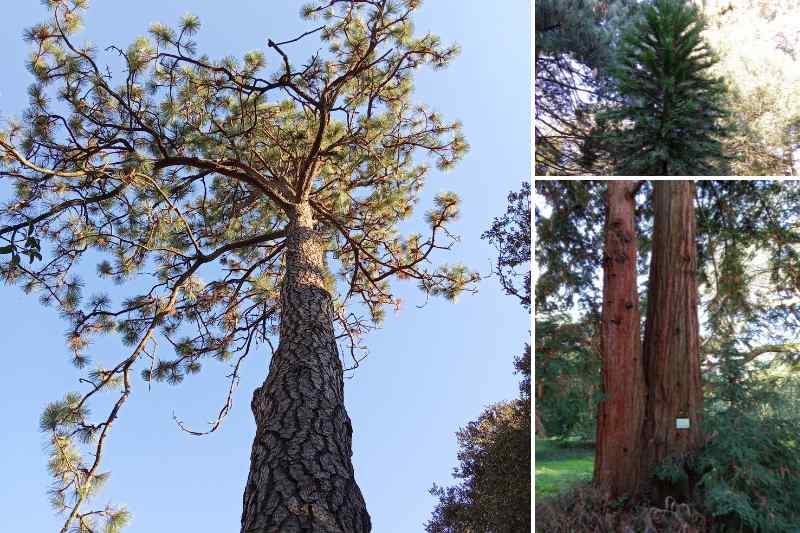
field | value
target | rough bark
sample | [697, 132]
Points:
[301, 474]
[618, 455]
[671, 351]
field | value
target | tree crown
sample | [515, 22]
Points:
[673, 114]
[190, 169]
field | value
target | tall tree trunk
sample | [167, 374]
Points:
[671, 350]
[618, 456]
[301, 474]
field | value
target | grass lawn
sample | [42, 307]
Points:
[557, 467]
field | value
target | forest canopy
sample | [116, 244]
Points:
[748, 113]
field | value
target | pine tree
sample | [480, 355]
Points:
[672, 117]
[264, 203]
[574, 47]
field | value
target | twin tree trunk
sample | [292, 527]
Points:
[671, 350]
[618, 456]
[301, 474]
[644, 396]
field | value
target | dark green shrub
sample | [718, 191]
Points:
[749, 469]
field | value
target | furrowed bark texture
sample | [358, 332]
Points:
[301, 475]
[671, 350]
[620, 414]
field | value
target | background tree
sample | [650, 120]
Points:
[574, 43]
[673, 115]
[261, 202]
[568, 377]
[494, 451]
[495, 493]
[570, 219]
[747, 238]
[759, 49]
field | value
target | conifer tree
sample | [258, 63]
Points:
[573, 49]
[672, 115]
[619, 419]
[671, 343]
[262, 201]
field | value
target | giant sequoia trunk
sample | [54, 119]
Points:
[671, 345]
[618, 457]
[301, 474]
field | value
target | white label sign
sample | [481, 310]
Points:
[681, 423]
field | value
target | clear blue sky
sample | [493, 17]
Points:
[430, 370]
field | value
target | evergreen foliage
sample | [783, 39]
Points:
[568, 377]
[569, 243]
[747, 235]
[749, 470]
[673, 115]
[574, 45]
[188, 168]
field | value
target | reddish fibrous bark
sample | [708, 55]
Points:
[671, 351]
[618, 455]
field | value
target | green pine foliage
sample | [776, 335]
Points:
[672, 117]
[178, 175]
